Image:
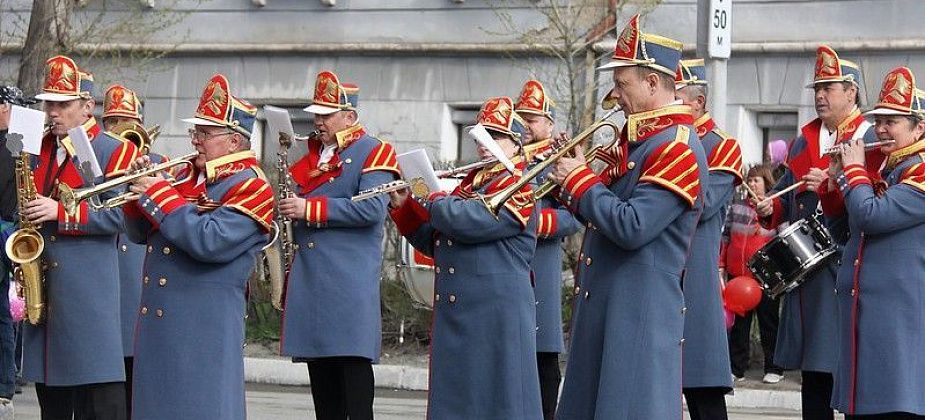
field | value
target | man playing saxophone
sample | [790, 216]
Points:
[9, 96]
[332, 295]
[75, 357]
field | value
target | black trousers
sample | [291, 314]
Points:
[816, 396]
[768, 313]
[706, 403]
[104, 401]
[550, 376]
[886, 416]
[129, 364]
[342, 388]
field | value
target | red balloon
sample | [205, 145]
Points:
[742, 294]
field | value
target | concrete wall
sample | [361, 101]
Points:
[418, 61]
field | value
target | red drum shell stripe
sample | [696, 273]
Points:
[674, 167]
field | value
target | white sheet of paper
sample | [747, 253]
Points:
[30, 123]
[84, 150]
[279, 121]
[480, 134]
[414, 164]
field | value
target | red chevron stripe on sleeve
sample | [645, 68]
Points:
[165, 196]
[254, 198]
[121, 159]
[546, 226]
[674, 167]
[727, 157]
[856, 175]
[915, 176]
[316, 210]
[580, 180]
[382, 158]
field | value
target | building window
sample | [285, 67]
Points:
[777, 125]
[462, 117]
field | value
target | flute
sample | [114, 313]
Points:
[835, 150]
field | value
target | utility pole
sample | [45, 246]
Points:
[714, 42]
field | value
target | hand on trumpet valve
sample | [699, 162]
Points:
[852, 153]
[397, 197]
[292, 207]
[565, 165]
[140, 163]
[42, 209]
[814, 178]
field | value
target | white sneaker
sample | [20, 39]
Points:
[6, 409]
[772, 378]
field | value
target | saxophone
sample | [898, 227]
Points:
[278, 261]
[25, 247]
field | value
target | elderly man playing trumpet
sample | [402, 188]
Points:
[188, 349]
[641, 213]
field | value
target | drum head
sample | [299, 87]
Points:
[417, 275]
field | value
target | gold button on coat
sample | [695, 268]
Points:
[162, 281]
[452, 270]
[144, 310]
[124, 247]
[159, 313]
[311, 245]
[166, 250]
[52, 238]
[588, 261]
[437, 297]
[452, 298]
[150, 249]
[437, 269]
[449, 242]
[146, 279]
[630, 165]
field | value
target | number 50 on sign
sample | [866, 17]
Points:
[720, 28]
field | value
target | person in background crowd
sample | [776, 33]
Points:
[742, 236]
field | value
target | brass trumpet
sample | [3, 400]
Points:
[70, 198]
[497, 200]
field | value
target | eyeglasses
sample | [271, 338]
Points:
[202, 136]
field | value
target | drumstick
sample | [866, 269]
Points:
[750, 191]
[784, 191]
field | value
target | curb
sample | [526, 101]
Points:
[284, 372]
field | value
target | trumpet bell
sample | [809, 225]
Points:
[136, 133]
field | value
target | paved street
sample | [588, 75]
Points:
[287, 403]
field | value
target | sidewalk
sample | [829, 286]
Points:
[751, 393]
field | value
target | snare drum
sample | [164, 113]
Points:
[787, 261]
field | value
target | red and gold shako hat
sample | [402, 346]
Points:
[690, 72]
[635, 48]
[830, 68]
[331, 95]
[534, 100]
[121, 101]
[498, 115]
[899, 95]
[64, 81]
[218, 108]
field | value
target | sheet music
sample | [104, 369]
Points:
[480, 134]
[416, 164]
[84, 151]
[278, 120]
[30, 124]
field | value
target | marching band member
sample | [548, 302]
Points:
[332, 310]
[808, 318]
[75, 357]
[483, 337]
[190, 330]
[879, 286]
[9, 214]
[554, 223]
[642, 211]
[121, 105]
[706, 372]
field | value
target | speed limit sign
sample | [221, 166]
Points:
[720, 29]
